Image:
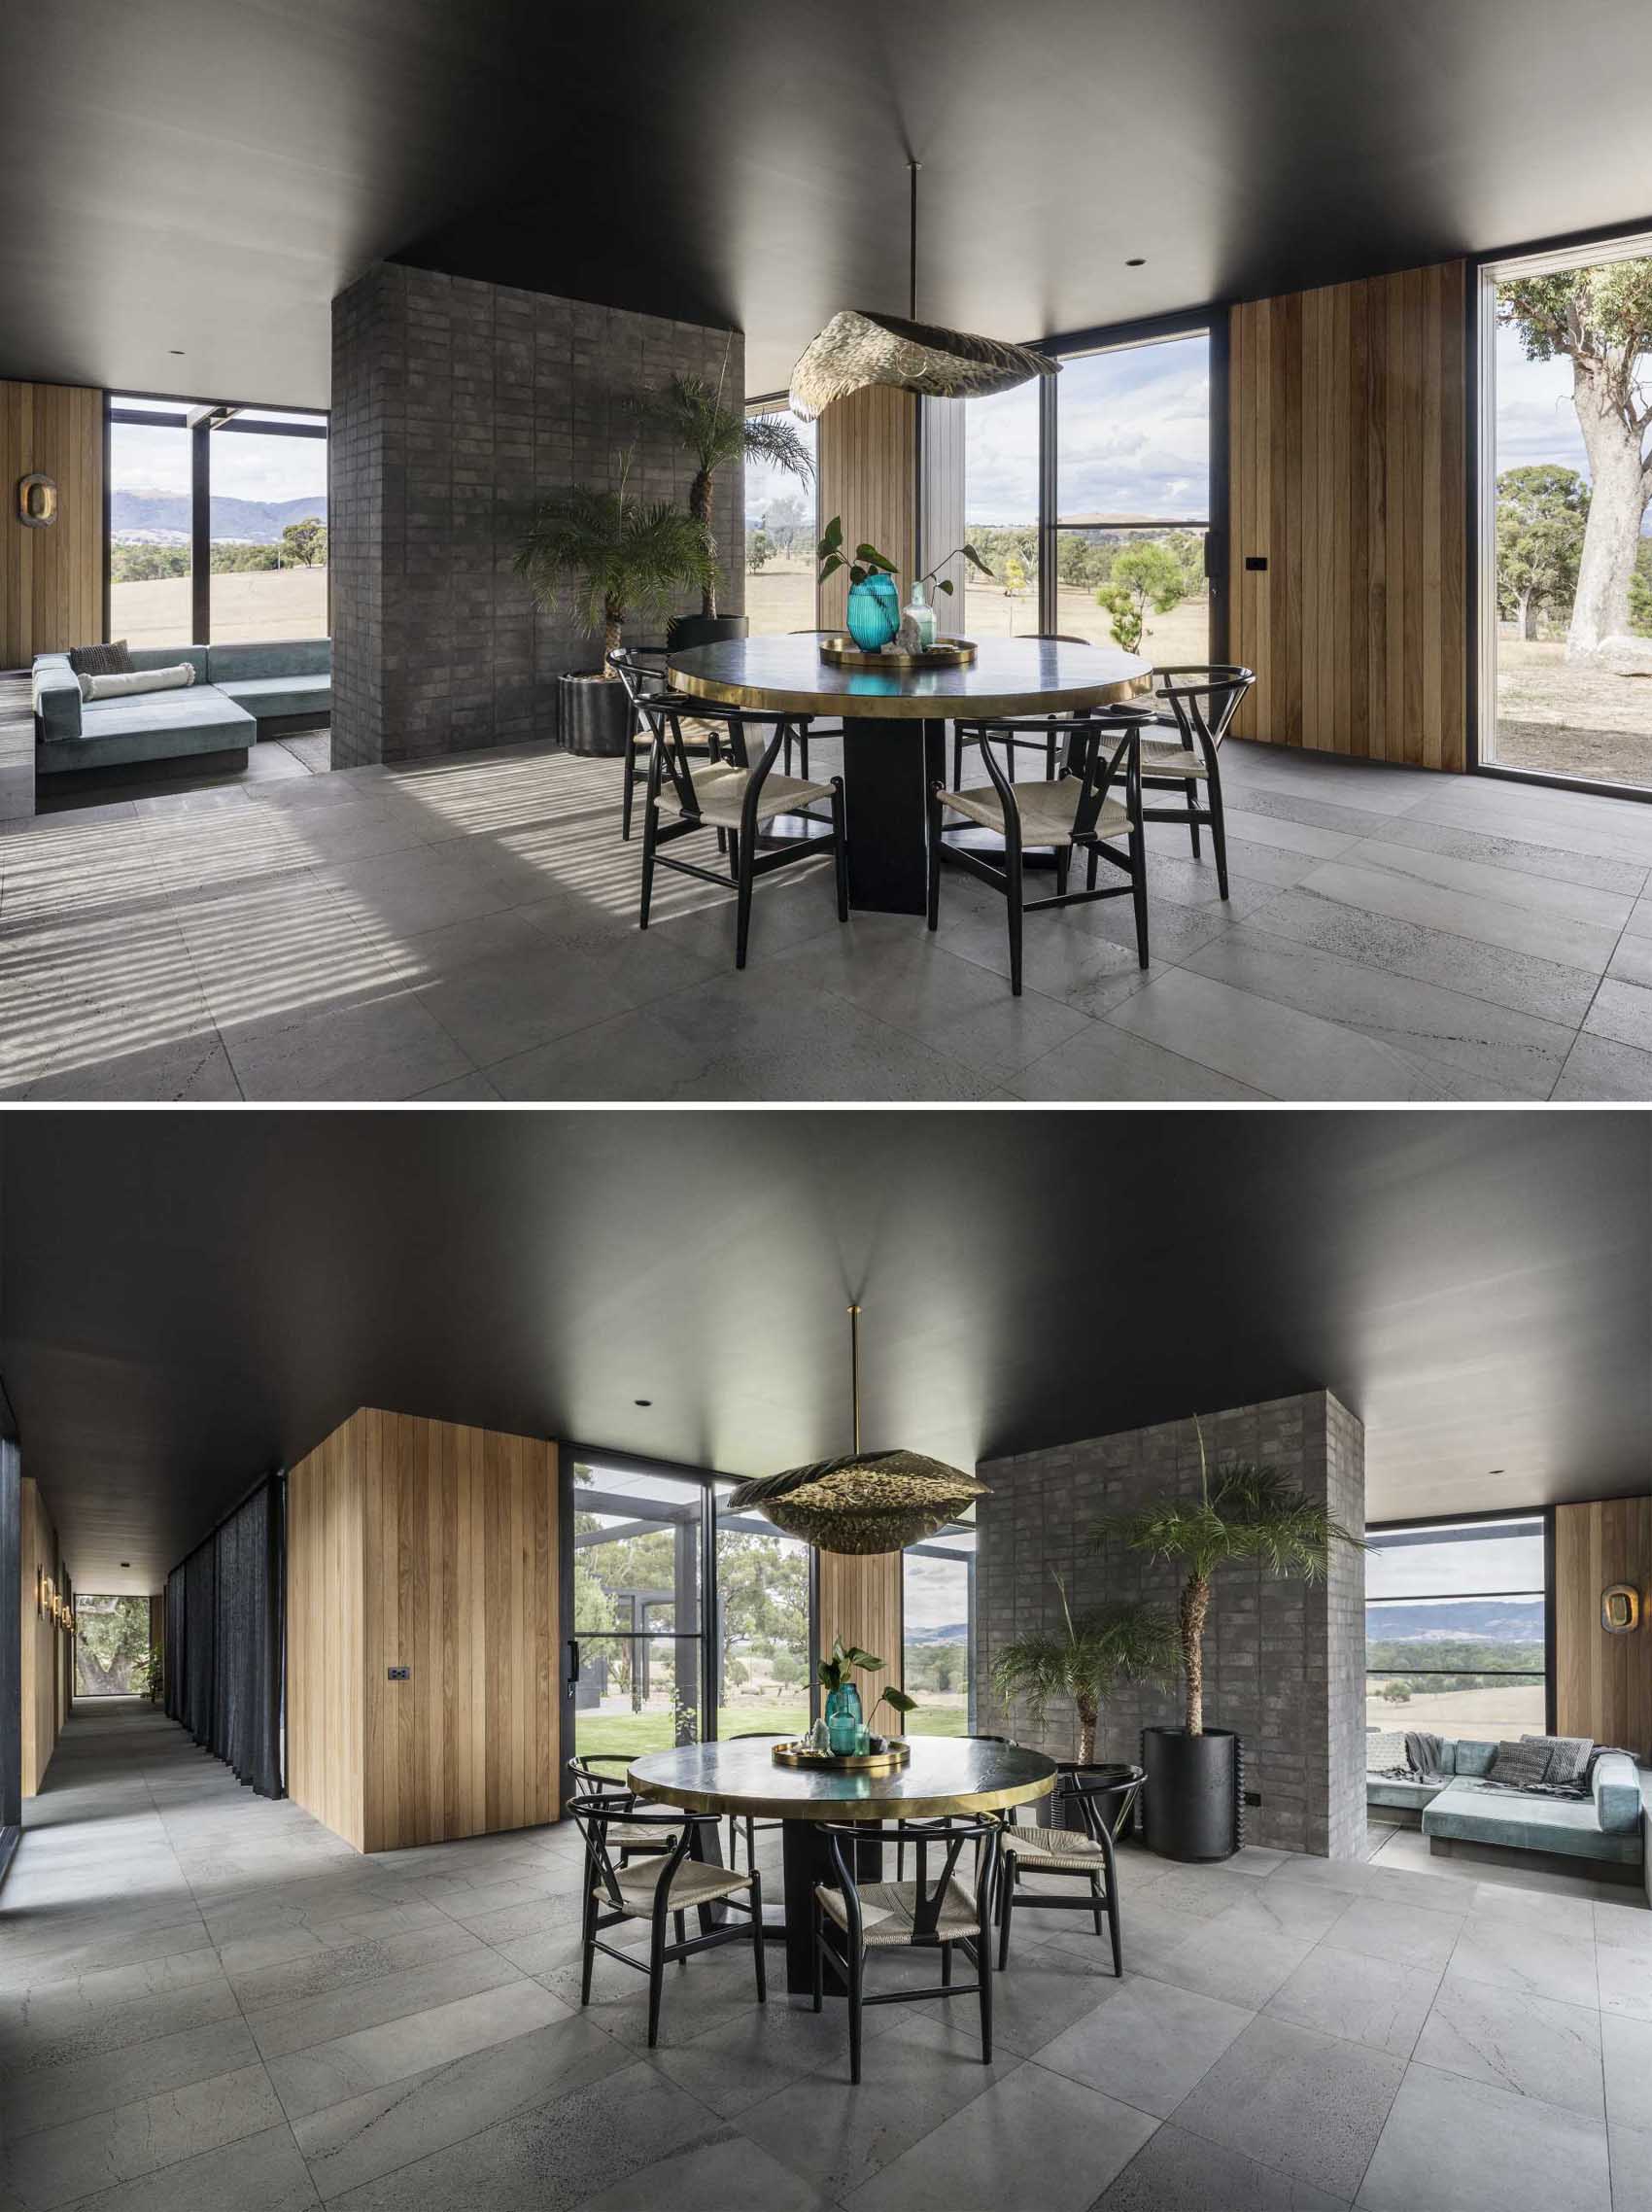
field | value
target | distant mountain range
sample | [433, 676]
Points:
[1487, 1620]
[956, 1631]
[162, 518]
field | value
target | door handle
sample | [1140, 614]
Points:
[572, 1661]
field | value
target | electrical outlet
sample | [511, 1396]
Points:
[400, 1673]
[1252, 1797]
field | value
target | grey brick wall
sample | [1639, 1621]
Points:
[457, 407]
[1283, 1660]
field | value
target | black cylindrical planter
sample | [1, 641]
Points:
[1191, 1797]
[594, 714]
[684, 631]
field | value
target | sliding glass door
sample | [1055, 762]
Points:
[1566, 514]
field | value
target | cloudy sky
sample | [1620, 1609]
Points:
[243, 466]
[936, 1595]
[1457, 1566]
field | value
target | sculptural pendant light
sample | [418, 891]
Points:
[857, 348]
[867, 1501]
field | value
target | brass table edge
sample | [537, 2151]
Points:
[881, 706]
[741, 1802]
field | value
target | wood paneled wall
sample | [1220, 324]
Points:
[1348, 455]
[50, 580]
[860, 1601]
[1602, 1683]
[423, 1544]
[874, 469]
[45, 1701]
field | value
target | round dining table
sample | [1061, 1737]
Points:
[946, 1774]
[895, 727]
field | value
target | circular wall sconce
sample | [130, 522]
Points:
[1619, 1608]
[36, 501]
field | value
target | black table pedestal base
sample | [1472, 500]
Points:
[889, 768]
[808, 1860]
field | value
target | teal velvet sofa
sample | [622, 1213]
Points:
[1605, 1827]
[240, 693]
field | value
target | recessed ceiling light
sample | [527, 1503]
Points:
[176, 351]
[642, 1402]
[1496, 1471]
[125, 1563]
[1137, 262]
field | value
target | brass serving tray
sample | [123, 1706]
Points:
[946, 653]
[793, 1754]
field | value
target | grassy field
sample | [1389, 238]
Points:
[1571, 721]
[245, 604]
[782, 597]
[632, 1733]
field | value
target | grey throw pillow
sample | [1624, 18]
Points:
[1521, 1764]
[1569, 1755]
[101, 660]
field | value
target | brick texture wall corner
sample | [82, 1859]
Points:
[1283, 1660]
[457, 408]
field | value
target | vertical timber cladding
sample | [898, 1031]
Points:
[1603, 1683]
[41, 1689]
[50, 577]
[433, 1548]
[860, 1601]
[1348, 418]
[875, 463]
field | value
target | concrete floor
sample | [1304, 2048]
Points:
[210, 2004]
[465, 929]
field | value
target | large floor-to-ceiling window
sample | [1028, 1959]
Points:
[1092, 498]
[1457, 1639]
[640, 1571]
[216, 523]
[112, 1645]
[781, 527]
[937, 1633]
[1566, 514]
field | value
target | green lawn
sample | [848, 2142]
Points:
[632, 1732]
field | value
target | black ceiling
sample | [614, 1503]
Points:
[203, 175]
[189, 1299]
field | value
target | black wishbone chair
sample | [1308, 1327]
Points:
[736, 798]
[745, 1822]
[670, 1884]
[1038, 733]
[851, 1919]
[591, 1780]
[1103, 1797]
[1073, 813]
[642, 670]
[1203, 699]
[908, 1829]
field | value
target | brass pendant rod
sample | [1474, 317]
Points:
[911, 307]
[854, 1368]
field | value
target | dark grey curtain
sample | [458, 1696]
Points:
[224, 1639]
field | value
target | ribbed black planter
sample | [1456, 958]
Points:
[592, 714]
[1191, 1801]
[684, 631]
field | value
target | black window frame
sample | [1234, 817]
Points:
[1545, 1514]
[201, 417]
[706, 1479]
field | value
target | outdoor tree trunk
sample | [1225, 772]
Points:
[1611, 536]
[699, 506]
[1195, 1604]
[1528, 615]
[1088, 1714]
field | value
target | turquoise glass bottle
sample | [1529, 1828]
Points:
[843, 1718]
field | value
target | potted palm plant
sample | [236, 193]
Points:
[715, 431]
[607, 557]
[1086, 1659]
[1247, 1512]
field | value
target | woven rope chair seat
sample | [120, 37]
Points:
[720, 792]
[888, 1910]
[695, 1882]
[1172, 760]
[1046, 811]
[1053, 1846]
[639, 1836]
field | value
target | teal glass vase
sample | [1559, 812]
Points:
[874, 613]
[842, 1719]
